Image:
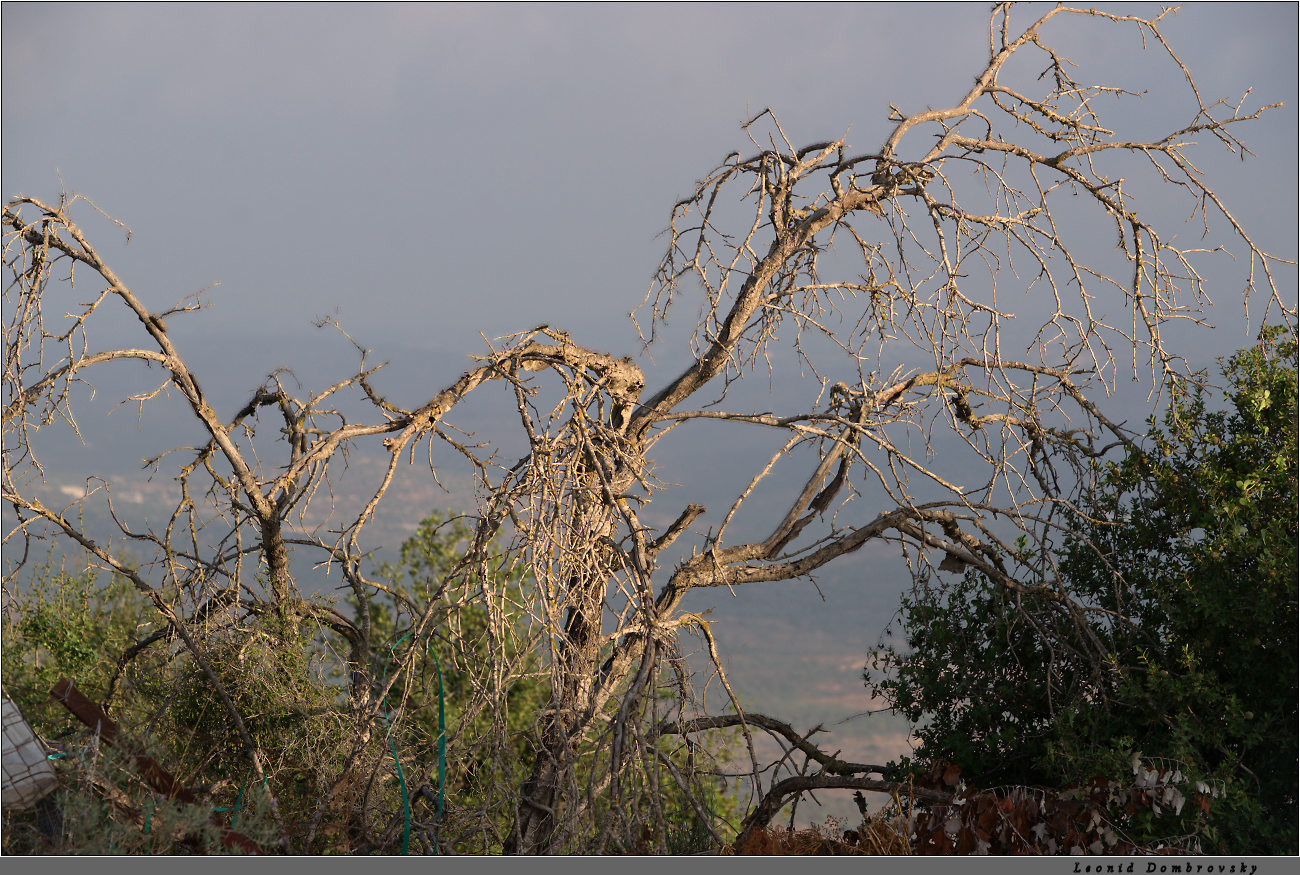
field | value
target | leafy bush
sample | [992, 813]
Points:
[1190, 651]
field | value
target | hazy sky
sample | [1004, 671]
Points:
[424, 173]
[428, 172]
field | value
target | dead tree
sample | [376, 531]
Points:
[955, 207]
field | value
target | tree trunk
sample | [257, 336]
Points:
[576, 660]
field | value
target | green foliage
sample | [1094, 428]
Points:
[290, 710]
[75, 626]
[685, 830]
[290, 690]
[1195, 542]
[489, 719]
[978, 679]
[69, 625]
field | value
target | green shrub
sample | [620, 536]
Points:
[1194, 540]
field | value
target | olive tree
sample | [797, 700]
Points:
[889, 275]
